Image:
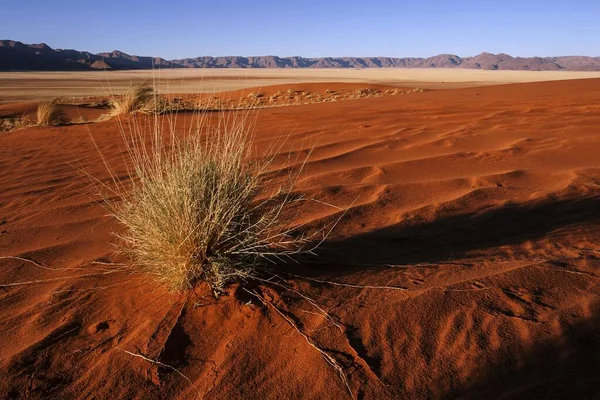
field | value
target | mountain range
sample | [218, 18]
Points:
[17, 56]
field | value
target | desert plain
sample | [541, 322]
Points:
[465, 263]
[51, 84]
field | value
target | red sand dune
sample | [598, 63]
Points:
[480, 206]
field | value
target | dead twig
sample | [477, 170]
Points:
[161, 364]
[40, 281]
[311, 301]
[330, 360]
[350, 285]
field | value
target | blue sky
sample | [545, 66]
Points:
[182, 28]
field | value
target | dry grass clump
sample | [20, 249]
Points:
[49, 113]
[137, 99]
[193, 212]
[13, 123]
[7, 124]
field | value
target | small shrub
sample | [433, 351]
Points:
[22, 122]
[49, 113]
[7, 124]
[13, 123]
[193, 212]
[137, 99]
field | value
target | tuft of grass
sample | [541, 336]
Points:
[13, 123]
[199, 208]
[136, 99]
[22, 122]
[49, 113]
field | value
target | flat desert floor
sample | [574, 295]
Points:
[467, 264]
[16, 86]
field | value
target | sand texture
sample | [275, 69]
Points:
[474, 218]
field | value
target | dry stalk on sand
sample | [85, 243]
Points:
[158, 363]
[330, 359]
[107, 269]
[49, 113]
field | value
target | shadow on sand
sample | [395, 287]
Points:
[450, 238]
[566, 368]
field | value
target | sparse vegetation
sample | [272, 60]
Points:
[193, 214]
[49, 113]
[13, 123]
[140, 99]
[137, 99]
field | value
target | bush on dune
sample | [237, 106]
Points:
[136, 99]
[49, 113]
[193, 214]
[201, 209]
[13, 123]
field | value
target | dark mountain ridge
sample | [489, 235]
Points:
[17, 56]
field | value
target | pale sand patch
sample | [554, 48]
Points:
[34, 85]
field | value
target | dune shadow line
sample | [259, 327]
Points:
[449, 238]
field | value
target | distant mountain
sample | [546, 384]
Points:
[119, 60]
[504, 61]
[441, 61]
[15, 56]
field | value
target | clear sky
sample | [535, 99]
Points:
[310, 28]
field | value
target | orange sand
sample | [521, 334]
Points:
[482, 204]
